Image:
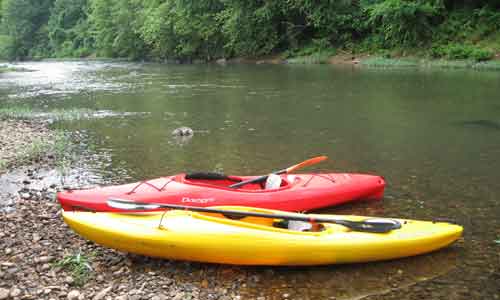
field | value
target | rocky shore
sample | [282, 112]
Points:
[35, 244]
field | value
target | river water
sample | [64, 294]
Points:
[433, 134]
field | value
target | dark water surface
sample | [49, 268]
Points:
[433, 134]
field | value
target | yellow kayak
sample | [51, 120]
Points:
[214, 238]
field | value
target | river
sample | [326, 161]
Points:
[433, 134]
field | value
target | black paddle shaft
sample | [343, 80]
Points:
[367, 225]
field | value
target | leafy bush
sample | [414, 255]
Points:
[461, 51]
[7, 49]
[183, 30]
[249, 26]
[69, 29]
[402, 22]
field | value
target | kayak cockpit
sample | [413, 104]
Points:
[217, 220]
[217, 180]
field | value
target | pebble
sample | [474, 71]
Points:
[15, 292]
[73, 295]
[69, 279]
[102, 293]
[36, 237]
[4, 293]
[178, 296]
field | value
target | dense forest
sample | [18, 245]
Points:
[187, 30]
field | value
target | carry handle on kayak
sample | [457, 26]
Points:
[368, 225]
[303, 164]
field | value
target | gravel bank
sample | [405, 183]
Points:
[17, 137]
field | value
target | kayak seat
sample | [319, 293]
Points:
[273, 181]
[298, 226]
[218, 179]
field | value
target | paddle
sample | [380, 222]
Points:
[367, 225]
[303, 164]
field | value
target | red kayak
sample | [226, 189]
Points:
[298, 192]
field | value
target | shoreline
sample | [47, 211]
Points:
[362, 60]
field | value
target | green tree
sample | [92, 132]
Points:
[251, 27]
[404, 22]
[115, 25]
[183, 29]
[69, 29]
[24, 22]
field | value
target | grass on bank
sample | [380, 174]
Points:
[319, 51]
[382, 62]
[3, 164]
[78, 265]
[5, 69]
[321, 57]
[389, 62]
[41, 147]
[55, 114]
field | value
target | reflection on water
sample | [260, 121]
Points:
[429, 133]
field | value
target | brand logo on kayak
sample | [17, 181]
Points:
[197, 200]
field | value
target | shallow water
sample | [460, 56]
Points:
[433, 134]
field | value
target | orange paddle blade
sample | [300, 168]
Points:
[306, 163]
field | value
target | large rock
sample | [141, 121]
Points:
[183, 131]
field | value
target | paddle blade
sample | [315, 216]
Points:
[372, 225]
[306, 163]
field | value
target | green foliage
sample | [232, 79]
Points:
[115, 25]
[69, 29]
[318, 51]
[186, 31]
[23, 22]
[338, 21]
[403, 22]
[7, 49]
[461, 51]
[78, 265]
[249, 26]
[183, 29]
[3, 164]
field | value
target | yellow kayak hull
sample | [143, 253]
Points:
[185, 235]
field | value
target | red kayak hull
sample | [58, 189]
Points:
[298, 192]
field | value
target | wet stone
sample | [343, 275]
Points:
[14, 292]
[73, 295]
[4, 293]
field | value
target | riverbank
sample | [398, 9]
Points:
[365, 60]
[376, 61]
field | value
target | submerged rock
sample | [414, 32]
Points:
[183, 131]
